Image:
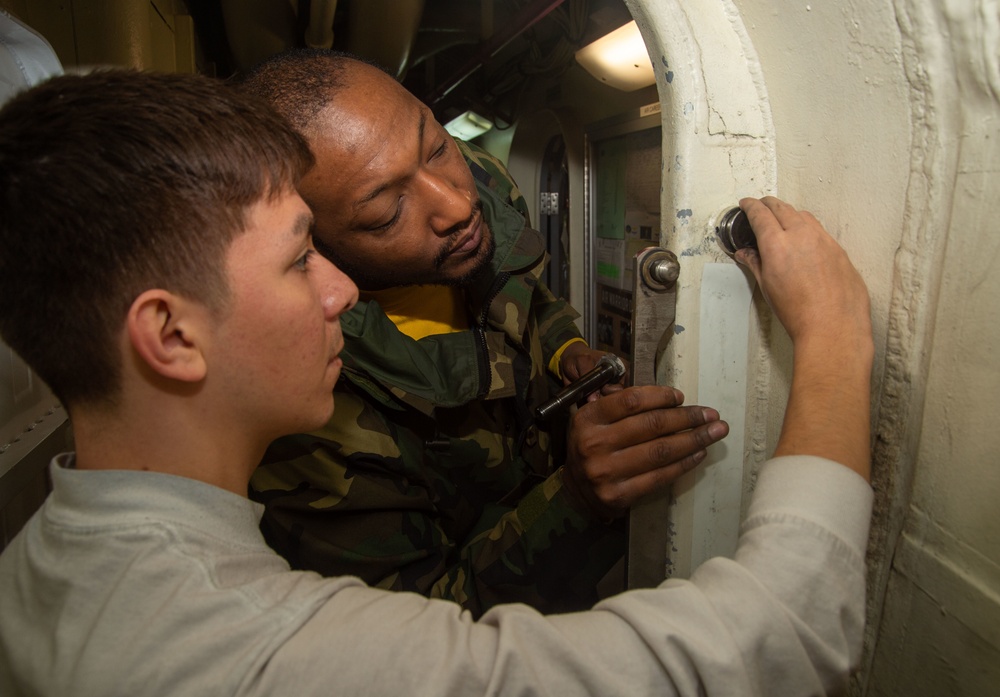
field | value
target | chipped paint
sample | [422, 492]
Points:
[708, 173]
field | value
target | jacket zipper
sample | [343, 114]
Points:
[485, 374]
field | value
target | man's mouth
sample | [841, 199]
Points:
[338, 346]
[471, 240]
[471, 236]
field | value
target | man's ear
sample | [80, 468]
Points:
[169, 332]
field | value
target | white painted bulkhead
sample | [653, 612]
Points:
[882, 118]
[886, 124]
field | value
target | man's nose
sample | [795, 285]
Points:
[449, 204]
[339, 294]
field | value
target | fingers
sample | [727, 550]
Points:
[785, 213]
[631, 491]
[631, 401]
[751, 259]
[678, 448]
[612, 482]
[803, 273]
[635, 415]
[759, 215]
[577, 360]
[764, 224]
[636, 441]
[612, 387]
[769, 215]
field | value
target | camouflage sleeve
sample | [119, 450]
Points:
[543, 553]
[556, 321]
[361, 501]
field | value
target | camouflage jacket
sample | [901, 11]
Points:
[432, 476]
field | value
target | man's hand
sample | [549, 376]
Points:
[635, 442]
[579, 359]
[805, 276]
[821, 300]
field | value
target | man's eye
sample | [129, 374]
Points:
[440, 151]
[381, 227]
[303, 261]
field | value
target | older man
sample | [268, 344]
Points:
[433, 476]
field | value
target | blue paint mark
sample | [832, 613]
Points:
[670, 76]
[664, 59]
[678, 329]
[677, 163]
[688, 108]
[689, 252]
[684, 213]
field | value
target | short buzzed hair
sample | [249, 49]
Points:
[300, 83]
[114, 183]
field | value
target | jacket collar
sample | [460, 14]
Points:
[442, 370]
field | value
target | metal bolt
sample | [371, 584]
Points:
[665, 271]
[659, 268]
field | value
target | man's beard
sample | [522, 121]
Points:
[484, 255]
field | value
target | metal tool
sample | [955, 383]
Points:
[655, 275]
[654, 291]
[609, 368]
[734, 231]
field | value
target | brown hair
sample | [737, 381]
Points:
[115, 182]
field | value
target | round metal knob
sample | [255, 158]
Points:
[734, 231]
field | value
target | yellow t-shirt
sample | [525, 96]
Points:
[420, 311]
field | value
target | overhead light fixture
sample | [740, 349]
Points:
[619, 59]
[468, 125]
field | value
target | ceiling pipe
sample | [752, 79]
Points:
[523, 20]
[384, 31]
[319, 32]
[256, 29]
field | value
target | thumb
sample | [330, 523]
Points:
[751, 259]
